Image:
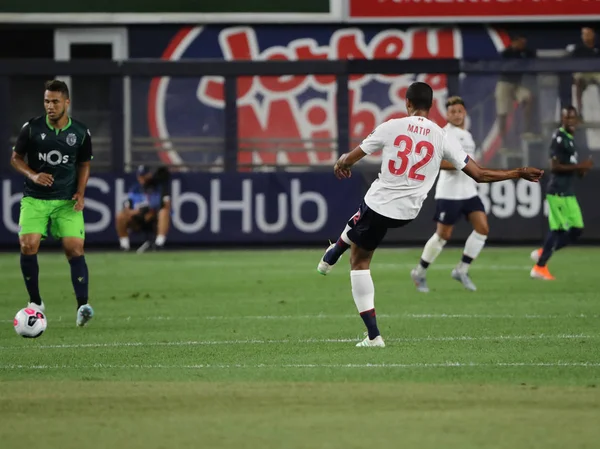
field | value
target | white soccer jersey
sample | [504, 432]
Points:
[456, 185]
[413, 148]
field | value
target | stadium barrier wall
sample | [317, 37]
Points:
[303, 209]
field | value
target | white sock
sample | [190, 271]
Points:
[124, 242]
[473, 247]
[344, 235]
[160, 240]
[363, 290]
[433, 248]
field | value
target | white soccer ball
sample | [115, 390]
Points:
[30, 323]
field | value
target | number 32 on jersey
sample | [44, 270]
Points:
[398, 166]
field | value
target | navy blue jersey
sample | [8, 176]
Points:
[563, 150]
[56, 152]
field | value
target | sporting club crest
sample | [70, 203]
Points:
[71, 139]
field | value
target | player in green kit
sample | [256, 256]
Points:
[53, 152]
[565, 219]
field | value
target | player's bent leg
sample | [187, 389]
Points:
[30, 244]
[431, 251]
[73, 248]
[556, 240]
[540, 269]
[33, 223]
[473, 247]
[363, 292]
[559, 224]
[334, 252]
[324, 267]
[542, 255]
[68, 225]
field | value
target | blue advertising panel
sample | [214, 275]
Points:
[286, 208]
[219, 208]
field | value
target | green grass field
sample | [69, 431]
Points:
[253, 349]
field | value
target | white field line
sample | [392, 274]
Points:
[409, 316]
[309, 366]
[303, 341]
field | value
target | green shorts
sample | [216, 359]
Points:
[564, 213]
[65, 222]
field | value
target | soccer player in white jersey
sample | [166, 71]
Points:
[413, 149]
[455, 196]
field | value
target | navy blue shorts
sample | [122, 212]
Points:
[368, 228]
[448, 212]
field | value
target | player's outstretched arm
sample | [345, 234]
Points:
[481, 174]
[343, 166]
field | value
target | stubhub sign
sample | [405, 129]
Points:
[224, 208]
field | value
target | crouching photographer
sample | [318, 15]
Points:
[147, 209]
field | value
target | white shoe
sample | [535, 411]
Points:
[377, 342]
[324, 268]
[84, 314]
[419, 281]
[41, 308]
[464, 279]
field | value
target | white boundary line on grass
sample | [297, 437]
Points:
[309, 366]
[415, 316]
[303, 341]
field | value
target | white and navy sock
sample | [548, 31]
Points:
[342, 244]
[432, 250]
[363, 292]
[473, 246]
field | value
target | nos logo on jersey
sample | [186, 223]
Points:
[53, 157]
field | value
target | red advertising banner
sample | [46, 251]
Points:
[473, 10]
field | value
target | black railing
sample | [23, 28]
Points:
[232, 70]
